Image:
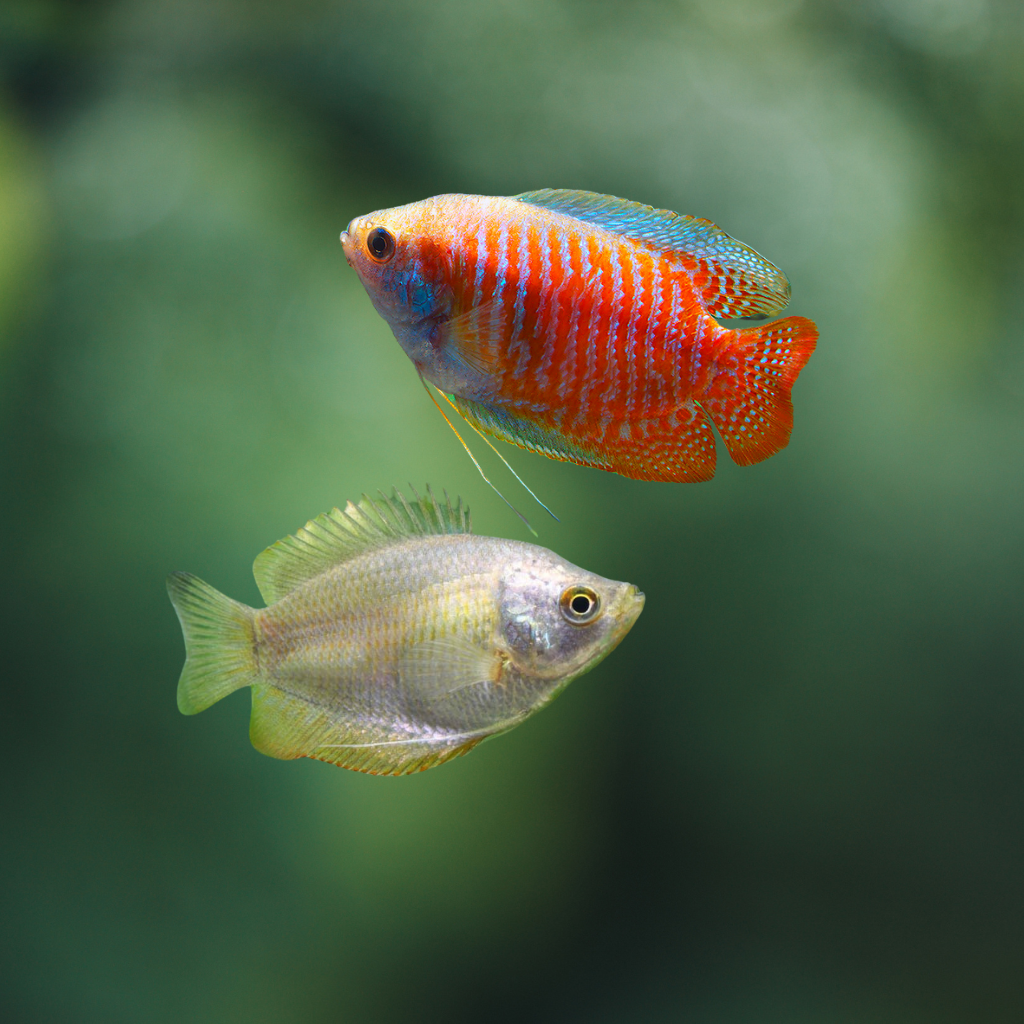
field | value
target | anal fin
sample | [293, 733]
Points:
[396, 757]
[678, 447]
[288, 727]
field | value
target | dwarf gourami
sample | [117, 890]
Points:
[393, 638]
[585, 327]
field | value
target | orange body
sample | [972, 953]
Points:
[587, 343]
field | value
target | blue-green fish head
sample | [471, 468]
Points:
[403, 272]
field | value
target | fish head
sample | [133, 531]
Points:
[557, 620]
[403, 268]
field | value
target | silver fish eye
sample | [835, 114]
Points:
[580, 605]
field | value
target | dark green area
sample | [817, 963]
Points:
[794, 794]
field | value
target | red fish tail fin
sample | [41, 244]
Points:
[748, 398]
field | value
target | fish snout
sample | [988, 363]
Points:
[347, 240]
[634, 604]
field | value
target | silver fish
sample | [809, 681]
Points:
[393, 639]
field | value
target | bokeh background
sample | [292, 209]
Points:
[794, 794]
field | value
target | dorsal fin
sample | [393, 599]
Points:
[339, 535]
[732, 280]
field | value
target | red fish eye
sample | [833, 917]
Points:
[380, 243]
[580, 605]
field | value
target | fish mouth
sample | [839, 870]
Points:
[346, 244]
[630, 605]
[637, 599]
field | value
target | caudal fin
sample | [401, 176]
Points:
[219, 654]
[748, 399]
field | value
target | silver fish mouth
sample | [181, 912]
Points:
[631, 605]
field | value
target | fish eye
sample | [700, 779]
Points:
[580, 605]
[381, 244]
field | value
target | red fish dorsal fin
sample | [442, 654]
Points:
[731, 281]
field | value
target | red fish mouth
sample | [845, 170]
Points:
[345, 239]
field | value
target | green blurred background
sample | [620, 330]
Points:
[795, 792]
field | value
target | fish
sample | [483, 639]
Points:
[585, 326]
[395, 639]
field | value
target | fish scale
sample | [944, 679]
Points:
[586, 327]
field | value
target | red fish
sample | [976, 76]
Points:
[585, 327]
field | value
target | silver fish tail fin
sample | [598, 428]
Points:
[219, 650]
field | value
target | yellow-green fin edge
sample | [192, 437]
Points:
[341, 534]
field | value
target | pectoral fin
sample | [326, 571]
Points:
[434, 670]
[475, 337]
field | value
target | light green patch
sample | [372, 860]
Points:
[22, 222]
[288, 727]
[218, 632]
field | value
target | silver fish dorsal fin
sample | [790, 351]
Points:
[341, 534]
[735, 280]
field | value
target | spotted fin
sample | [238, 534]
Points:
[732, 280]
[749, 397]
[678, 447]
[339, 535]
[285, 726]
